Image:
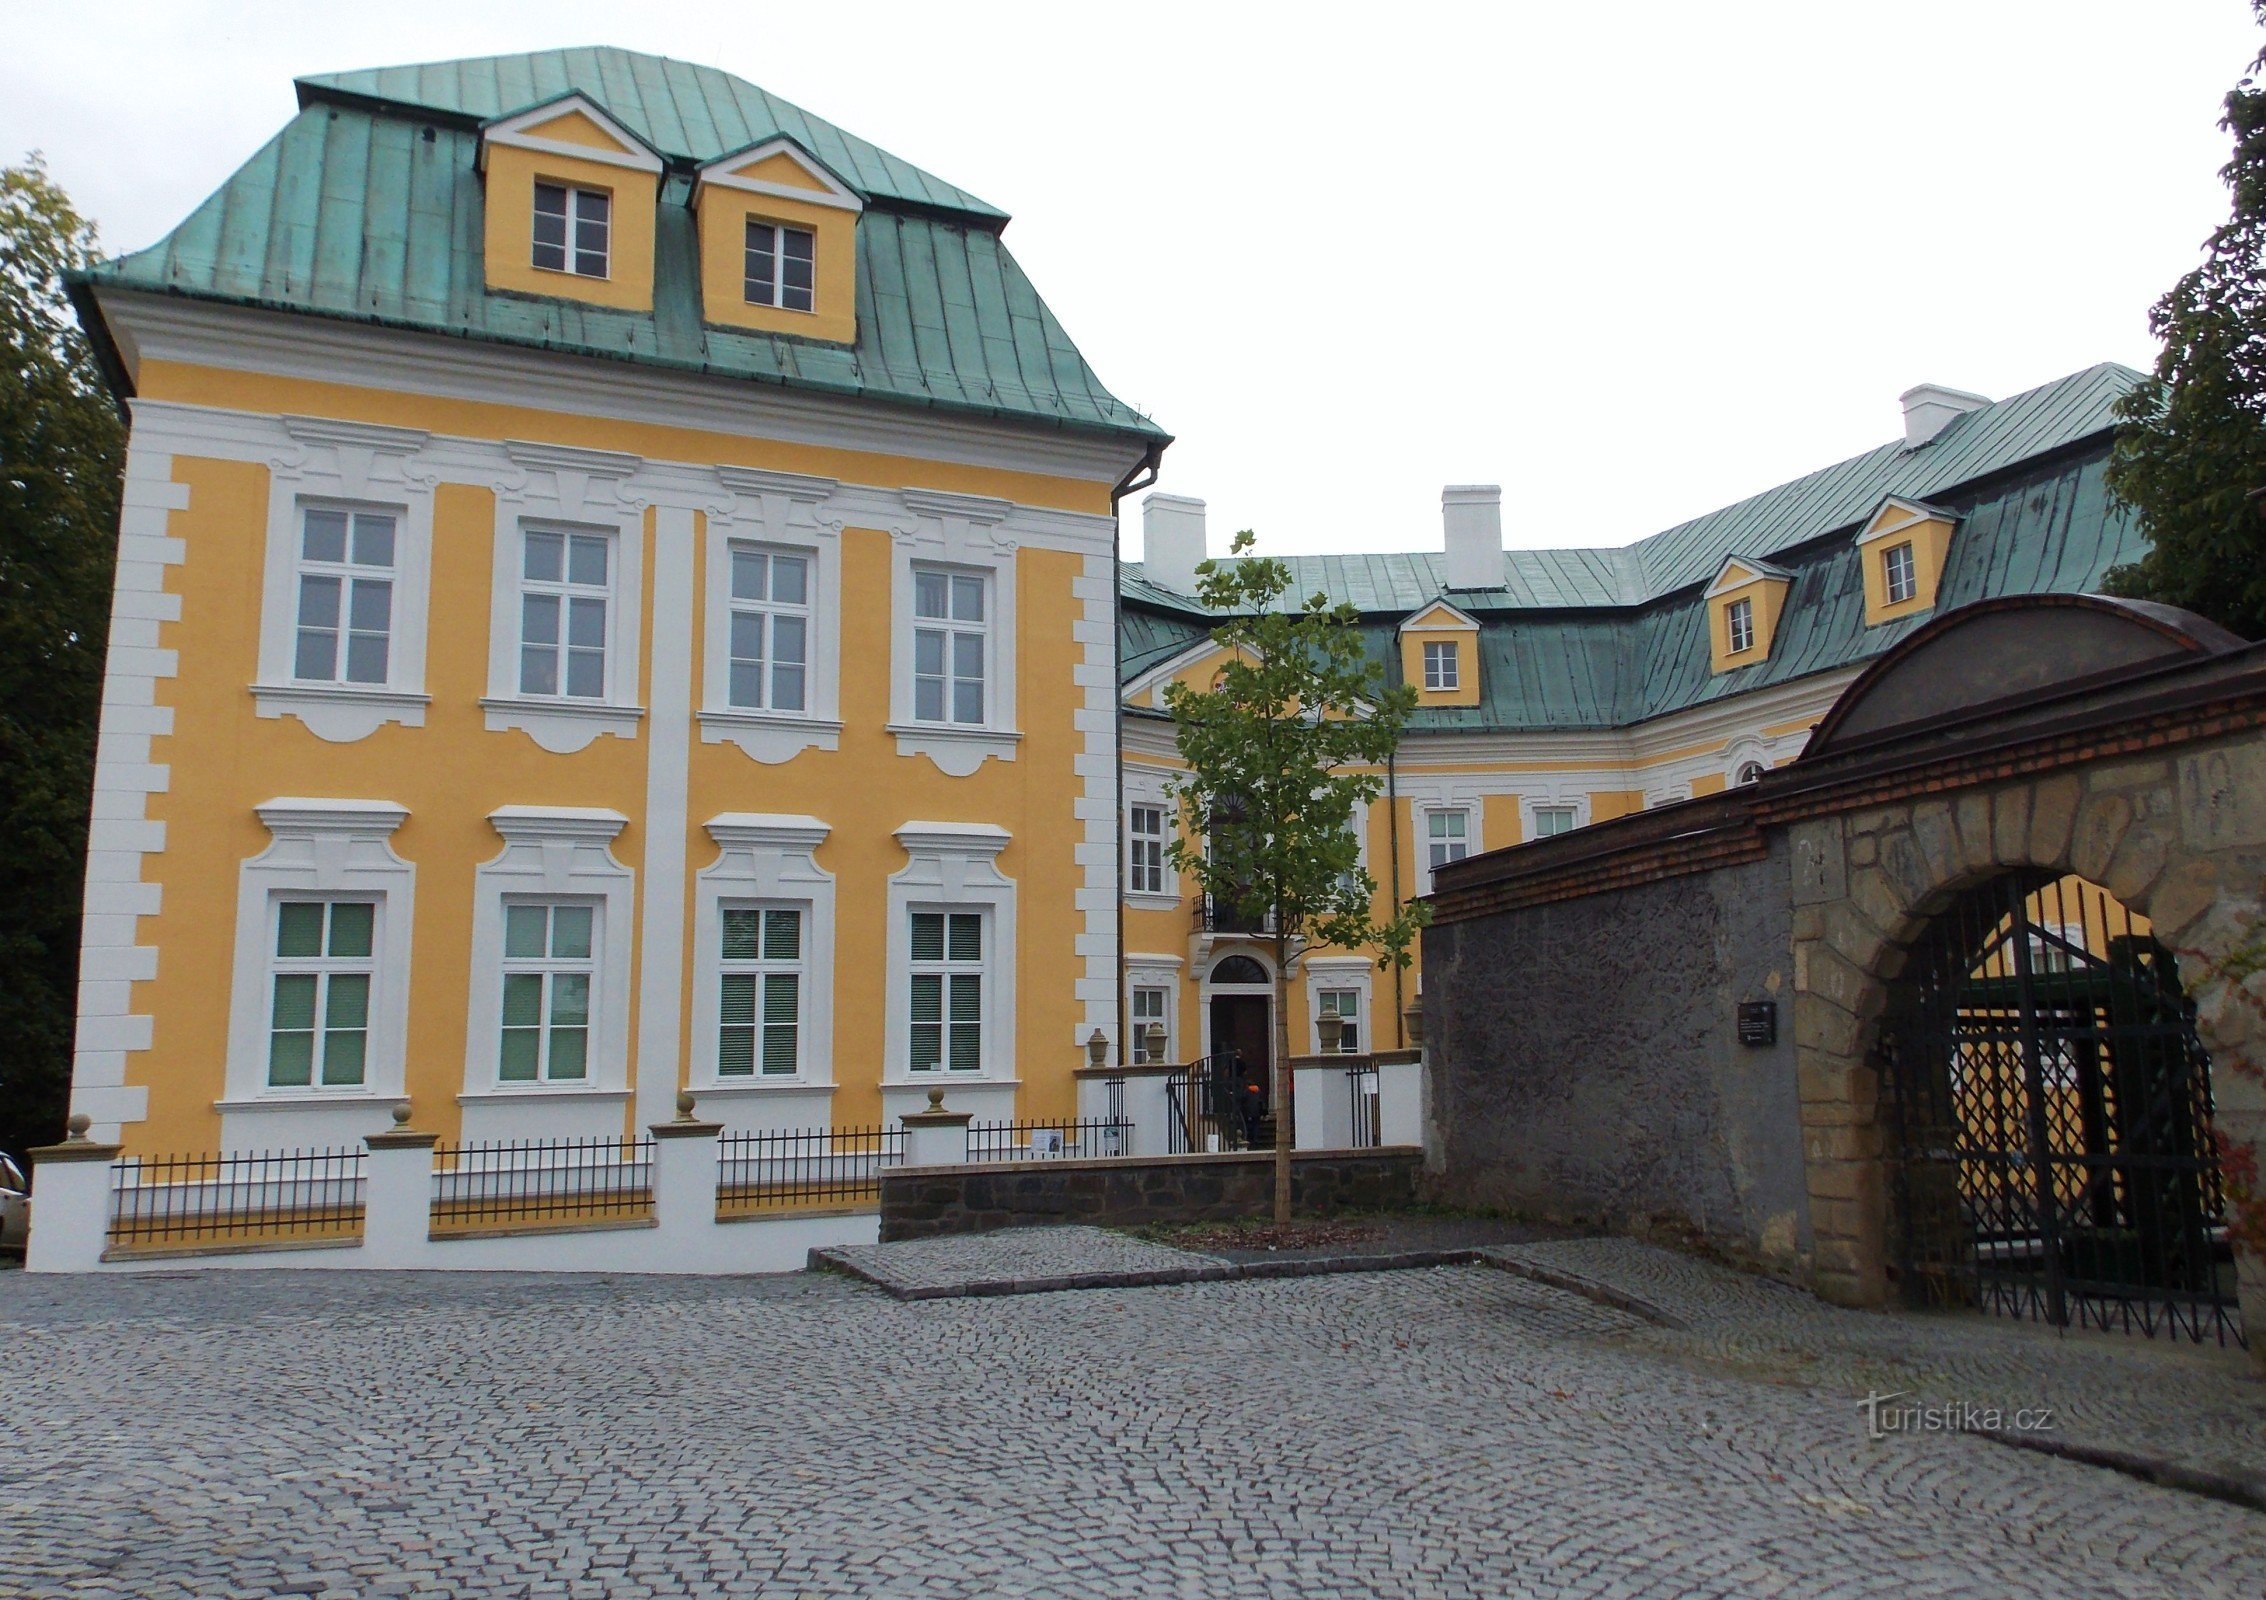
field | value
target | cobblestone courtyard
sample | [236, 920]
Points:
[1455, 1431]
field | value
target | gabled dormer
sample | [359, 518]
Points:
[1902, 548]
[778, 243]
[570, 197]
[1440, 655]
[1743, 604]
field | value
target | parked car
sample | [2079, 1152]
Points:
[15, 1208]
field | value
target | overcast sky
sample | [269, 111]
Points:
[1633, 261]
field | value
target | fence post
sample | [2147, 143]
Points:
[70, 1214]
[397, 1194]
[684, 1179]
[936, 1137]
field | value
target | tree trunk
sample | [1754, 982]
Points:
[1285, 1116]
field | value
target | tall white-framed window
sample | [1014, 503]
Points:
[951, 645]
[948, 977]
[573, 229]
[1900, 579]
[550, 968]
[781, 264]
[1345, 1005]
[566, 597]
[1739, 626]
[319, 987]
[1447, 837]
[324, 971]
[1148, 1013]
[1441, 667]
[1552, 820]
[346, 590]
[1144, 845]
[760, 972]
[770, 629]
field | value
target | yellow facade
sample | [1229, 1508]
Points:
[1896, 525]
[513, 171]
[1763, 594]
[724, 212]
[1441, 625]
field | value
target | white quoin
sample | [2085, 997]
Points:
[1930, 406]
[1471, 517]
[1172, 541]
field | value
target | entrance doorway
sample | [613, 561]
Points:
[2049, 1108]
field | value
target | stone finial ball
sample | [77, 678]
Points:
[78, 1124]
[684, 1102]
[401, 1115]
[936, 1099]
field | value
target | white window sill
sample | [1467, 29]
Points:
[561, 726]
[945, 1080]
[1153, 902]
[537, 1091]
[308, 1099]
[740, 1086]
[768, 736]
[341, 713]
[957, 751]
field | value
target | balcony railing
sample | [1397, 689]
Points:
[1221, 916]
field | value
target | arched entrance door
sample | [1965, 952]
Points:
[2049, 1110]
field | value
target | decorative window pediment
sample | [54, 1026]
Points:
[1439, 649]
[571, 197]
[778, 243]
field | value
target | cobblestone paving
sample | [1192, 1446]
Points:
[2199, 1406]
[1454, 1432]
[964, 1263]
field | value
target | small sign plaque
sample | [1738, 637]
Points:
[1758, 1022]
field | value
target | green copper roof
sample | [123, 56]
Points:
[374, 213]
[2028, 486]
[692, 112]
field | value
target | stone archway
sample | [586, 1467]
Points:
[2180, 839]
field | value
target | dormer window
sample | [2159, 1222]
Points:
[572, 229]
[1900, 579]
[781, 266]
[1739, 618]
[1440, 671]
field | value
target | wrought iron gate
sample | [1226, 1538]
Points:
[2050, 1106]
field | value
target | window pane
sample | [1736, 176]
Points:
[797, 244]
[779, 1048]
[968, 655]
[365, 657]
[586, 623]
[735, 1052]
[747, 635]
[928, 594]
[750, 575]
[967, 997]
[586, 559]
[739, 934]
[318, 602]
[373, 540]
[294, 1000]
[586, 674]
[539, 619]
[747, 683]
[291, 1060]
[324, 538]
[570, 999]
[782, 935]
[350, 925]
[928, 936]
[786, 688]
[550, 201]
[968, 599]
[928, 997]
[928, 1046]
[570, 932]
[570, 1052]
[787, 640]
[790, 584]
[516, 1062]
[317, 654]
[782, 996]
[524, 927]
[523, 999]
[371, 608]
[967, 936]
[299, 928]
[738, 999]
[538, 669]
[928, 699]
[967, 701]
[348, 1003]
[928, 652]
[546, 557]
[967, 1047]
[343, 1050]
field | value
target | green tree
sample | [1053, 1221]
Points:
[1284, 752]
[2193, 446]
[61, 450]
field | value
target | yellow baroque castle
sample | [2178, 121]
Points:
[615, 594]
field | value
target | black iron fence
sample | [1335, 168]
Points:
[168, 1202]
[804, 1169]
[1209, 1106]
[539, 1183]
[1361, 1089]
[1043, 1141]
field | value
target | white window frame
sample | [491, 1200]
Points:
[1146, 971]
[1338, 973]
[1575, 809]
[1147, 872]
[1138, 1025]
[549, 967]
[761, 968]
[1458, 800]
[786, 513]
[952, 866]
[765, 859]
[946, 969]
[772, 611]
[324, 967]
[566, 589]
[1739, 626]
[551, 853]
[1895, 575]
[350, 467]
[951, 628]
[350, 576]
[571, 251]
[956, 532]
[318, 850]
[1443, 665]
[1434, 835]
[778, 232]
[561, 488]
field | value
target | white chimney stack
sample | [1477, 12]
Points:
[1930, 406]
[1172, 541]
[1471, 515]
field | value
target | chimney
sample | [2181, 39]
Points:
[1172, 541]
[1930, 406]
[1472, 517]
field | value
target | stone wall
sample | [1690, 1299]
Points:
[922, 1201]
[1586, 1063]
